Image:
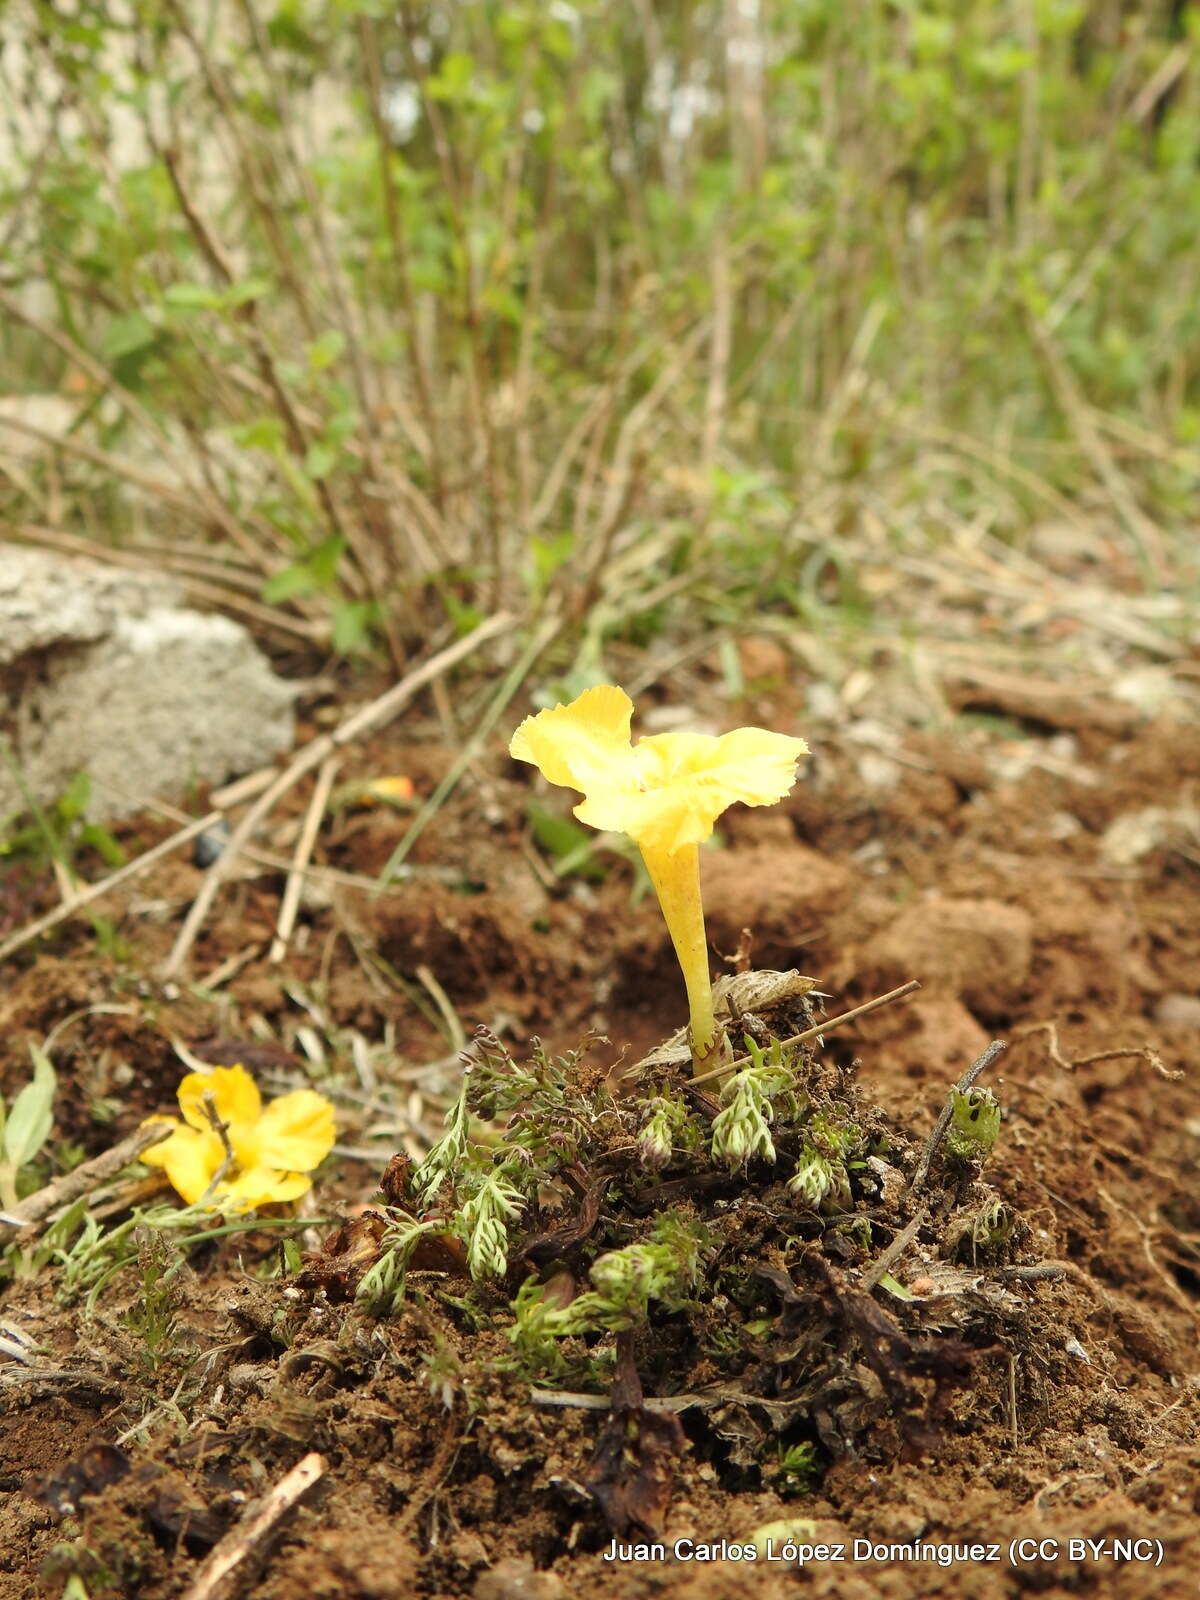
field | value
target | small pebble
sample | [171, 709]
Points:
[209, 844]
[1178, 1011]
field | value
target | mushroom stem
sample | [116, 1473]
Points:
[676, 879]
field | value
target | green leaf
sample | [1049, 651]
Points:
[319, 460]
[263, 433]
[895, 1287]
[549, 553]
[462, 614]
[93, 836]
[454, 80]
[352, 621]
[572, 846]
[500, 300]
[128, 336]
[323, 560]
[318, 570]
[192, 297]
[240, 294]
[32, 1115]
[341, 425]
[285, 585]
[325, 349]
[74, 799]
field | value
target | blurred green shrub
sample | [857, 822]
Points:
[417, 309]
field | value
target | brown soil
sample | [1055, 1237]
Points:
[987, 868]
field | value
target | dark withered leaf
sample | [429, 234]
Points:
[165, 1501]
[632, 1470]
[898, 1358]
[350, 1250]
[559, 1242]
[355, 1246]
[395, 1182]
[63, 1490]
[173, 1509]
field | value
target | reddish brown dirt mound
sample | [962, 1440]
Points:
[991, 882]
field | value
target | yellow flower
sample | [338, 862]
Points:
[666, 792]
[273, 1148]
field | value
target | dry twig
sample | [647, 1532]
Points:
[887, 1258]
[88, 1175]
[222, 594]
[818, 1030]
[1144, 1052]
[245, 1545]
[1147, 537]
[361, 722]
[304, 849]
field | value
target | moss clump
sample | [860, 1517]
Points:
[760, 1254]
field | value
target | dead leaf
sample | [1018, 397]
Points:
[631, 1473]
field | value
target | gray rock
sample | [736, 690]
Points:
[49, 601]
[107, 671]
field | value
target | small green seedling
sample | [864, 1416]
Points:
[536, 1333]
[482, 1221]
[741, 1129]
[821, 1180]
[381, 1288]
[813, 1178]
[798, 1469]
[55, 836]
[669, 1127]
[974, 1125]
[442, 1372]
[25, 1126]
[663, 1269]
[151, 1318]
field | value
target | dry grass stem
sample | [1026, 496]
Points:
[359, 723]
[54, 1196]
[227, 597]
[231, 1565]
[817, 1031]
[294, 888]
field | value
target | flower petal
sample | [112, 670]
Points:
[581, 745]
[190, 1158]
[686, 780]
[657, 819]
[234, 1093]
[749, 764]
[260, 1186]
[294, 1134]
